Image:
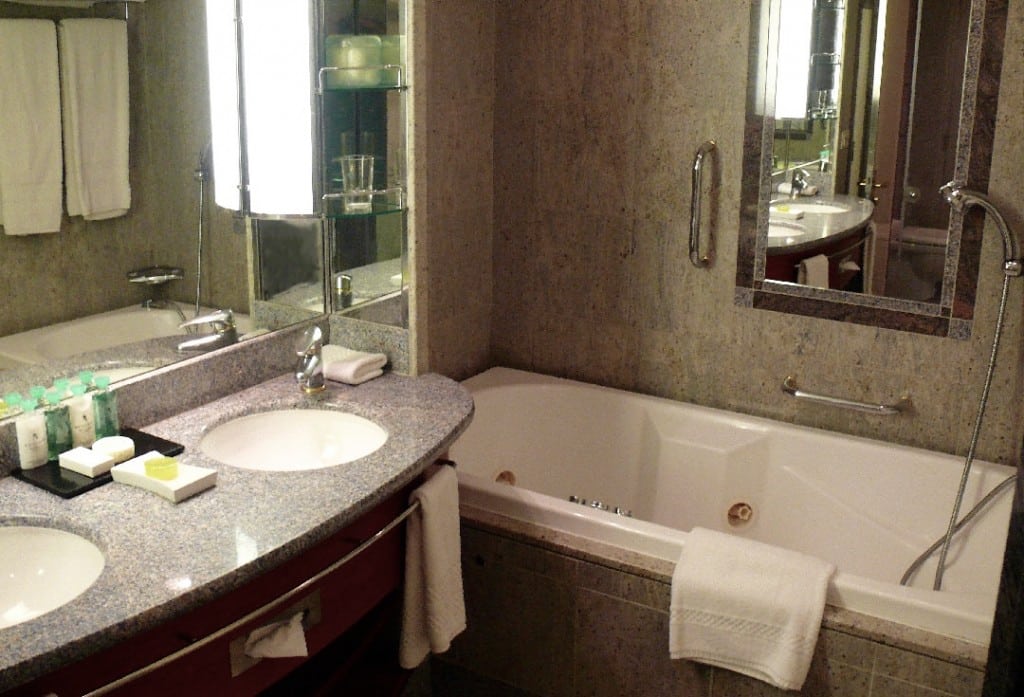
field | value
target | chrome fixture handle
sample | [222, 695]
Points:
[155, 275]
[705, 149]
[789, 386]
[960, 198]
[224, 331]
[310, 371]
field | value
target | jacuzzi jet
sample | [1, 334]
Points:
[506, 477]
[740, 513]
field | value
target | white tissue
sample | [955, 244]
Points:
[278, 640]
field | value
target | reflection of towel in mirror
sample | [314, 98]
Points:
[30, 171]
[813, 271]
[94, 84]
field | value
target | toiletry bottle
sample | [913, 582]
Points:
[85, 377]
[104, 403]
[12, 404]
[31, 430]
[61, 386]
[83, 424]
[58, 425]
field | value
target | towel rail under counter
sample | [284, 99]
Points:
[263, 609]
[902, 406]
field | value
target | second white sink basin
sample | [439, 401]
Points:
[42, 569]
[292, 440]
[808, 207]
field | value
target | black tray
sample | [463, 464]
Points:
[67, 484]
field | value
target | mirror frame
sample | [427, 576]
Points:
[953, 316]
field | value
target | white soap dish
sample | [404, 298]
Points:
[189, 482]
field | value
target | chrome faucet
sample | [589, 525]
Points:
[224, 332]
[310, 371]
[799, 182]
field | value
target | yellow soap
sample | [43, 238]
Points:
[164, 468]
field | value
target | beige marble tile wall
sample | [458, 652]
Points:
[599, 108]
[454, 83]
[81, 269]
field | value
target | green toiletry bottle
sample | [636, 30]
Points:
[104, 408]
[85, 377]
[58, 425]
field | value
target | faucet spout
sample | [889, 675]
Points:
[224, 332]
[960, 199]
[310, 371]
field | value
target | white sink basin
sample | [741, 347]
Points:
[815, 208]
[42, 569]
[781, 229]
[293, 439]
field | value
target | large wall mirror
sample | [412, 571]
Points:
[857, 113]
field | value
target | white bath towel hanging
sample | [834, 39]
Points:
[747, 606]
[30, 147]
[94, 92]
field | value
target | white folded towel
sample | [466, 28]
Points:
[747, 606]
[94, 84]
[434, 610]
[30, 154]
[353, 367]
[813, 271]
[282, 639]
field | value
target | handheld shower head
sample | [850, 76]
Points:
[960, 199]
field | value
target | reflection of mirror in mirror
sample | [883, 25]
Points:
[866, 119]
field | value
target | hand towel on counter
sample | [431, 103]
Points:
[813, 271]
[747, 606]
[94, 84]
[353, 367]
[30, 153]
[434, 610]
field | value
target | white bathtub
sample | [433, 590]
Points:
[100, 331]
[869, 507]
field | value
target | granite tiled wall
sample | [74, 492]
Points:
[546, 625]
[81, 269]
[598, 109]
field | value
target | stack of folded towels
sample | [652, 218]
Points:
[352, 367]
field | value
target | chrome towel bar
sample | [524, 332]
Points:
[297, 590]
[904, 404]
[698, 260]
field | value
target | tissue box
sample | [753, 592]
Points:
[190, 480]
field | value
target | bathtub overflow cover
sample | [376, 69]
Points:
[740, 513]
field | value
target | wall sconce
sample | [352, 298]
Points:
[261, 105]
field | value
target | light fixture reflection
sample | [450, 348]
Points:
[277, 128]
[795, 21]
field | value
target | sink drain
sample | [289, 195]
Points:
[740, 513]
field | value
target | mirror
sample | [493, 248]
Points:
[81, 271]
[841, 216]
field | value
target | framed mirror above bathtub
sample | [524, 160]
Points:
[846, 144]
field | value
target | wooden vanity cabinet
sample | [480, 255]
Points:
[343, 598]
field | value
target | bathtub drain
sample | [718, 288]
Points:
[740, 513]
[506, 477]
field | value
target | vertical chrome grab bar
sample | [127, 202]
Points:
[695, 199]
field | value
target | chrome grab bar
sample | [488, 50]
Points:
[297, 590]
[706, 148]
[904, 404]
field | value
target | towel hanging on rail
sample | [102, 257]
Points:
[94, 90]
[30, 162]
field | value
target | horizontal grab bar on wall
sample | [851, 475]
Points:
[696, 193]
[789, 386]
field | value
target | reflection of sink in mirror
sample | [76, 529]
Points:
[42, 569]
[811, 207]
[784, 229]
[102, 331]
[292, 440]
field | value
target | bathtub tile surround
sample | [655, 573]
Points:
[603, 631]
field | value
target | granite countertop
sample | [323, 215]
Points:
[164, 559]
[788, 234]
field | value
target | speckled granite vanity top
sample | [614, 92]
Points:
[163, 559]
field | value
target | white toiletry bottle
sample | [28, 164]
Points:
[83, 425]
[31, 430]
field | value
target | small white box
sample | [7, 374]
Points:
[85, 461]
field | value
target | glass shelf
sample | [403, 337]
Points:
[375, 78]
[354, 204]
